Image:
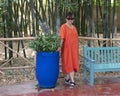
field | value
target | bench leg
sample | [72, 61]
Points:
[85, 73]
[91, 77]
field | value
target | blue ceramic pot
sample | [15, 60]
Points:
[47, 69]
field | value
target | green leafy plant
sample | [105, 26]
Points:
[45, 43]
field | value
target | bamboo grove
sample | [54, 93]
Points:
[22, 18]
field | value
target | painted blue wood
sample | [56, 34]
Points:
[100, 59]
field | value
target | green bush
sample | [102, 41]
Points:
[45, 43]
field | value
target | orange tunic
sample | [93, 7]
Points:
[69, 51]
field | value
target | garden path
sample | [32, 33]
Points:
[104, 86]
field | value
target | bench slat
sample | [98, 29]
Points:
[104, 67]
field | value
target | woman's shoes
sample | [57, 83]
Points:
[67, 81]
[72, 84]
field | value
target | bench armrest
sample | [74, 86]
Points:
[88, 62]
[88, 59]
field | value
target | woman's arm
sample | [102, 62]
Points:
[61, 43]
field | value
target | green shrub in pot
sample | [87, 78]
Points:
[45, 43]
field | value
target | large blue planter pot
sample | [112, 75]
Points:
[47, 69]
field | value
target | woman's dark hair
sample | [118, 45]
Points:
[69, 14]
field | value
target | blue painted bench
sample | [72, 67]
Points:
[100, 59]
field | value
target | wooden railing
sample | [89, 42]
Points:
[30, 61]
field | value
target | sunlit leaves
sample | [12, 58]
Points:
[46, 43]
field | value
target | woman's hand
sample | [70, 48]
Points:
[59, 49]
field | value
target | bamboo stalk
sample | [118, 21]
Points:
[17, 39]
[32, 38]
[6, 62]
[92, 38]
[15, 68]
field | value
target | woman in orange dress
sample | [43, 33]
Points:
[69, 49]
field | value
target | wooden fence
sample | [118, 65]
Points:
[26, 65]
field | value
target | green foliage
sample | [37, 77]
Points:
[3, 6]
[45, 43]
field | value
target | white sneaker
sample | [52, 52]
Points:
[72, 84]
